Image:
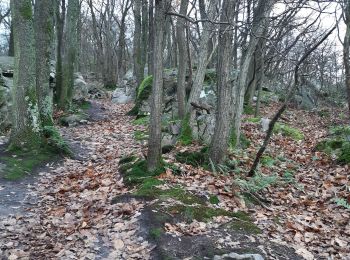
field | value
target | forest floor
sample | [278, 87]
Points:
[81, 208]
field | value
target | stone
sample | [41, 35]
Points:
[235, 256]
[265, 122]
[73, 120]
[120, 97]
[81, 90]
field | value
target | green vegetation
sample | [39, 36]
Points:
[257, 183]
[338, 144]
[20, 163]
[143, 120]
[248, 110]
[287, 130]
[155, 233]
[26, 11]
[342, 203]
[55, 140]
[143, 92]
[210, 76]
[254, 119]
[199, 158]
[214, 200]
[267, 161]
[186, 136]
[243, 141]
[140, 135]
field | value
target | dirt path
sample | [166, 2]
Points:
[70, 211]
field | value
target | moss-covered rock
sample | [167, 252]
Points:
[143, 93]
[337, 144]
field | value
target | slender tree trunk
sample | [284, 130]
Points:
[11, 51]
[346, 50]
[137, 55]
[181, 43]
[70, 54]
[144, 36]
[60, 20]
[260, 22]
[44, 36]
[26, 130]
[150, 37]
[219, 142]
[154, 144]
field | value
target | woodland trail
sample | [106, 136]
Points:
[74, 217]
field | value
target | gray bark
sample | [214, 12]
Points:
[181, 44]
[137, 55]
[26, 128]
[69, 58]
[346, 50]
[154, 143]
[219, 142]
[44, 36]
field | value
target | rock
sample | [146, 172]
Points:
[5, 103]
[265, 122]
[235, 256]
[73, 120]
[81, 90]
[168, 140]
[120, 97]
[6, 63]
[204, 128]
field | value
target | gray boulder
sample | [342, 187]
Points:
[81, 90]
[120, 97]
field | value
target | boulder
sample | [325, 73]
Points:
[119, 96]
[6, 63]
[73, 120]
[81, 90]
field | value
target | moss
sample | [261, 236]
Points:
[245, 226]
[186, 136]
[140, 135]
[196, 159]
[143, 120]
[248, 110]
[20, 163]
[286, 130]
[167, 148]
[203, 213]
[214, 200]
[210, 76]
[254, 119]
[143, 92]
[155, 233]
[26, 10]
[55, 140]
[344, 156]
[127, 159]
[267, 161]
[137, 173]
[148, 189]
[145, 88]
[243, 141]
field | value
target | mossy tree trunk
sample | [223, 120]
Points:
[155, 137]
[44, 35]
[219, 142]
[181, 44]
[69, 58]
[26, 129]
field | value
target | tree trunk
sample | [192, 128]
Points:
[181, 44]
[44, 36]
[219, 142]
[138, 71]
[26, 130]
[346, 50]
[203, 53]
[150, 37]
[155, 137]
[69, 54]
[60, 20]
[144, 36]
[11, 51]
[260, 22]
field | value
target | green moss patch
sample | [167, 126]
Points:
[142, 93]
[286, 130]
[21, 163]
[186, 136]
[338, 144]
[140, 135]
[194, 158]
[156, 233]
[143, 120]
[254, 120]
[248, 110]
